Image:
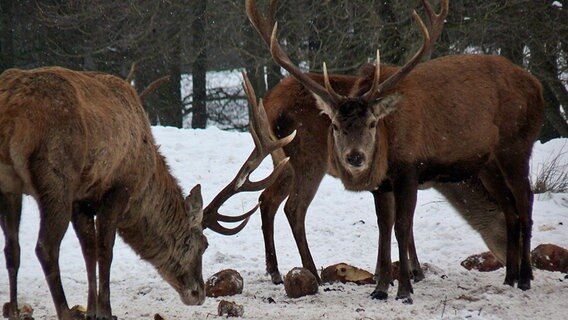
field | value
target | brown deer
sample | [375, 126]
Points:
[80, 143]
[279, 100]
[459, 118]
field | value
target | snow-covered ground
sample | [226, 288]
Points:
[341, 227]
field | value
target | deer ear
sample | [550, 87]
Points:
[194, 206]
[384, 106]
[324, 106]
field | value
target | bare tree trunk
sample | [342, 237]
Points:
[545, 67]
[393, 50]
[6, 34]
[273, 74]
[199, 119]
[254, 70]
[146, 72]
[548, 130]
[171, 103]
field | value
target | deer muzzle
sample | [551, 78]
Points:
[193, 296]
[355, 158]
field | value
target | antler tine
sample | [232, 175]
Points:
[436, 20]
[334, 95]
[404, 70]
[215, 226]
[259, 126]
[264, 26]
[264, 145]
[369, 95]
[130, 75]
[261, 24]
[280, 56]
[153, 86]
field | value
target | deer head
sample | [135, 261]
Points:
[185, 276]
[354, 118]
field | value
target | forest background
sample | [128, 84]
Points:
[193, 40]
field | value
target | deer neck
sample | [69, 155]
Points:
[156, 224]
[366, 180]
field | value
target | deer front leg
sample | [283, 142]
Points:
[115, 203]
[405, 190]
[415, 268]
[384, 208]
[301, 195]
[270, 200]
[10, 214]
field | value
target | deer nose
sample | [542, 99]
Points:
[355, 158]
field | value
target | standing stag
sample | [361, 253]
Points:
[459, 118]
[80, 143]
[289, 105]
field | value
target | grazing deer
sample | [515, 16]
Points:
[80, 143]
[457, 118]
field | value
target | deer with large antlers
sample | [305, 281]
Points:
[290, 97]
[459, 118]
[80, 143]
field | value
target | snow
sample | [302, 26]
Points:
[341, 227]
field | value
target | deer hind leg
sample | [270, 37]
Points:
[415, 268]
[515, 169]
[477, 206]
[270, 200]
[304, 187]
[84, 225]
[114, 203]
[494, 181]
[55, 218]
[10, 215]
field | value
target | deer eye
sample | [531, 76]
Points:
[334, 127]
[372, 125]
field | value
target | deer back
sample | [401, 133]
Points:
[454, 112]
[91, 122]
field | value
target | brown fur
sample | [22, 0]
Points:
[301, 113]
[458, 117]
[80, 143]
[465, 116]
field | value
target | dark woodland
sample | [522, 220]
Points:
[193, 38]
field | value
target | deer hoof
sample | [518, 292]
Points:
[80, 313]
[7, 311]
[524, 285]
[379, 295]
[418, 275]
[510, 281]
[276, 278]
[405, 300]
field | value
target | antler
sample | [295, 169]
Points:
[430, 36]
[153, 86]
[376, 88]
[130, 75]
[436, 21]
[263, 26]
[264, 145]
